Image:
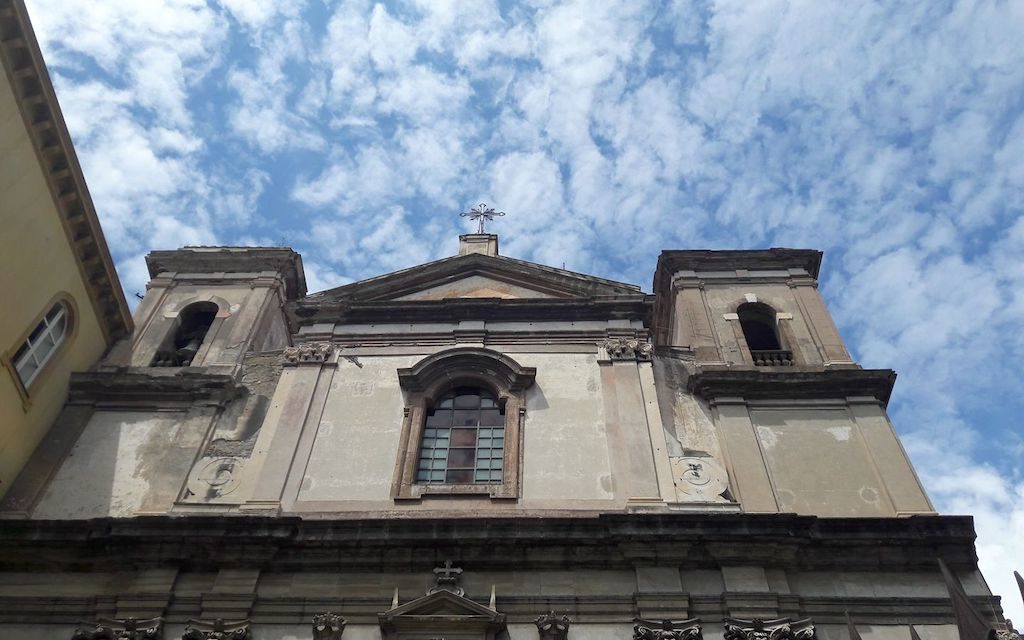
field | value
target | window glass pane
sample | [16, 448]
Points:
[459, 476]
[439, 453]
[467, 400]
[464, 437]
[440, 418]
[437, 476]
[422, 476]
[461, 458]
[465, 417]
[445, 403]
[496, 464]
[491, 418]
[496, 475]
[487, 402]
[482, 476]
[26, 368]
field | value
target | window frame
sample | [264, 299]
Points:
[428, 381]
[25, 387]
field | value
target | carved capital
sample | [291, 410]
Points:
[778, 629]
[219, 629]
[667, 629]
[121, 629]
[308, 353]
[328, 626]
[553, 627]
[628, 349]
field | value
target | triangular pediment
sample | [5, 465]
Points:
[443, 604]
[477, 276]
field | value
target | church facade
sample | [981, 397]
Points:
[479, 447]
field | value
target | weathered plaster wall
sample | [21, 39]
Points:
[356, 446]
[575, 454]
[124, 464]
[818, 463]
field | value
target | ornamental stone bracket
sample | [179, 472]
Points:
[121, 629]
[328, 626]
[553, 627]
[777, 629]
[308, 353]
[689, 629]
[627, 349]
[219, 629]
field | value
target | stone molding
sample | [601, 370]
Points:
[793, 385]
[705, 540]
[121, 629]
[308, 353]
[759, 629]
[553, 627]
[311, 311]
[667, 629]
[218, 629]
[328, 626]
[477, 363]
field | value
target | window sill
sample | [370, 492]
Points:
[419, 491]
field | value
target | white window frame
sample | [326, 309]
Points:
[47, 343]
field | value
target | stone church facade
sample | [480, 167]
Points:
[479, 447]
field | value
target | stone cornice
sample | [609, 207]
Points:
[793, 385]
[496, 543]
[310, 311]
[228, 260]
[185, 387]
[549, 280]
[44, 122]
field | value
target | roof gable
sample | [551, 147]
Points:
[477, 276]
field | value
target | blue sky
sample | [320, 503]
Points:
[888, 134]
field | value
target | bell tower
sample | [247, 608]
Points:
[208, 306]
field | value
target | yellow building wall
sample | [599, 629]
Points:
[36, 264]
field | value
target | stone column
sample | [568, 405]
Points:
[691, 324]
[819, 321]
[890, 459]
[744, 460]
[296, 407]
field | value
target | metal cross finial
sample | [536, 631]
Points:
[481, 213]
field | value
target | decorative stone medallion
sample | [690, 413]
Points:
[698, 478]
[308, 353]
[218, 629]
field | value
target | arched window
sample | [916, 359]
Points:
[760, 330]
[42, 344]
[462, 427]
[463, 439]
[190, 330]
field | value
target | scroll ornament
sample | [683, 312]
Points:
[219, 629]
[667, 629]
[121, 629]
[777, 629]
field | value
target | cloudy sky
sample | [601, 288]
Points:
[888, 134]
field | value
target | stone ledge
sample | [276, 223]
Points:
[183, 385]
[793, 385]
[515, 542]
